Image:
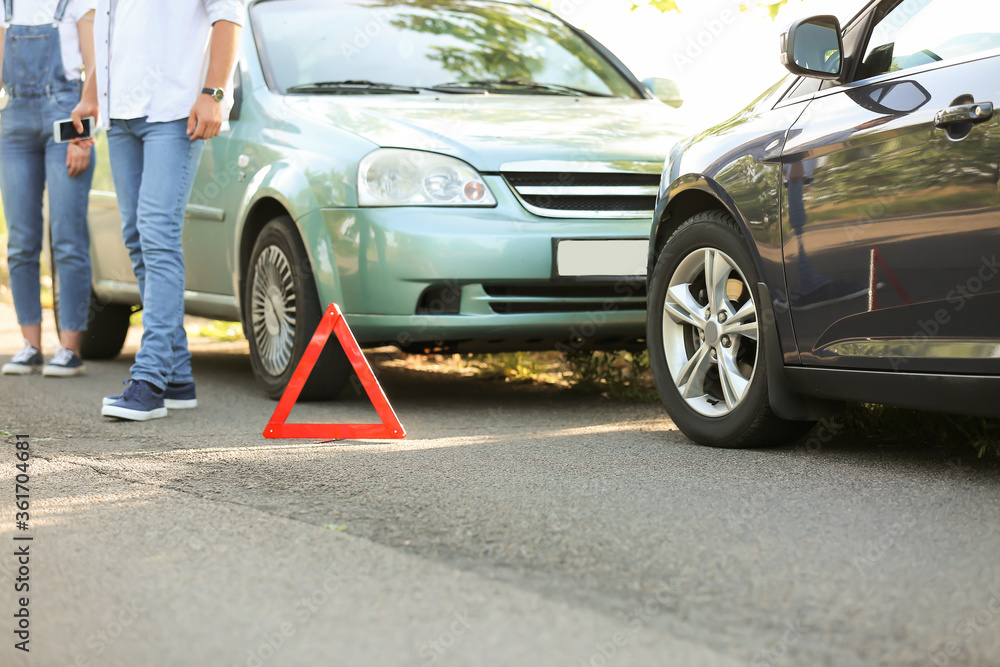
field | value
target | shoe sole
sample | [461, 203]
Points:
[133, 415]
[18, 369]
[57, 372]
[168, 403]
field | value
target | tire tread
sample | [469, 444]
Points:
[766, 428]
[332, 371]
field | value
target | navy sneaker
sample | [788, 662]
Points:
[175, 396]
[139, 402]
[29, 360]
[64, 364]
[180, 396]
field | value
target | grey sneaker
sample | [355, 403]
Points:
[64, 364]
[29, 360]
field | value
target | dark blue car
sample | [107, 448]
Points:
[839, 239]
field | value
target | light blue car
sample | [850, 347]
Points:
[456, 175]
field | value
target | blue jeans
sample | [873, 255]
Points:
[30, 158]
[153, 167]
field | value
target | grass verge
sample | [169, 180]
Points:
[626, 376]
[619, 375]
[217, 329]
[880, 422]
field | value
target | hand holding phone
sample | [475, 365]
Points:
[65, 130]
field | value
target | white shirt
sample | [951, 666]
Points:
[152, 57]
[42, 12]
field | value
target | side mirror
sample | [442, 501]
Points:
[665, 90]
[814, 47]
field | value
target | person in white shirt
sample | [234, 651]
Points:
[161, 73]
[45, 45]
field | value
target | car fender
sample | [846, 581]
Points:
[705, 190]
[698, 193]
[274, 182]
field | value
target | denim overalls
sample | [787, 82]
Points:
[39, 95]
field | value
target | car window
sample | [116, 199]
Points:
[805, 86]
[920, 32]
[428, 43]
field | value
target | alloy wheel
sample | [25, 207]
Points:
[273, 307]
[710, 332]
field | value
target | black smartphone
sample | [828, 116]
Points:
[64, 130]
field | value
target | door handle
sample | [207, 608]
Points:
[964, 113]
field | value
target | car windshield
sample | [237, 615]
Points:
[448, 46]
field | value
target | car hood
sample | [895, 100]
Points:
[489, 130]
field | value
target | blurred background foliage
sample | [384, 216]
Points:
[771, 9]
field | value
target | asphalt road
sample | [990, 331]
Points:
[517, 525]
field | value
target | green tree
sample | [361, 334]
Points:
[770, 7]
[662, 5]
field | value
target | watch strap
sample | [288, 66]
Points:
[215, 93]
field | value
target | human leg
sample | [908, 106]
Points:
[22, 181]
[68, 201]
[170, 160]
[125, 154]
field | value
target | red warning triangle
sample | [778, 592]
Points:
[390, 429]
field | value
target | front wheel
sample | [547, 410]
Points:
[705, 343]
[281, 313]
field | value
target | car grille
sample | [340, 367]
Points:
[586, 189]
[530, 298]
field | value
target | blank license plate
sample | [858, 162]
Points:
[601, 257]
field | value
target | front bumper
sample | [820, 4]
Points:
[477, 278]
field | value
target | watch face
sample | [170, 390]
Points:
[219, 94]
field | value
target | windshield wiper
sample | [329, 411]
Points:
[518, 84]
[352, 87]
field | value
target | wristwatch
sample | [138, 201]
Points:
[215, 93]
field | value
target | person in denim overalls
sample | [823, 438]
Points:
[40, 94]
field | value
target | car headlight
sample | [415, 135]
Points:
[399, 177]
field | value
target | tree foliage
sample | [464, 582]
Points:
[662, 5]
[770, 7]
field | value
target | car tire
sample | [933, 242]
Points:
[709, 369]
[279, 282]
[107, 324]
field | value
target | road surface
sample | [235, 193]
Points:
[517, 525]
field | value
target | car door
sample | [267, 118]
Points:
[111, 265]
[205, 247]
[891, 212]
[208, 225]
